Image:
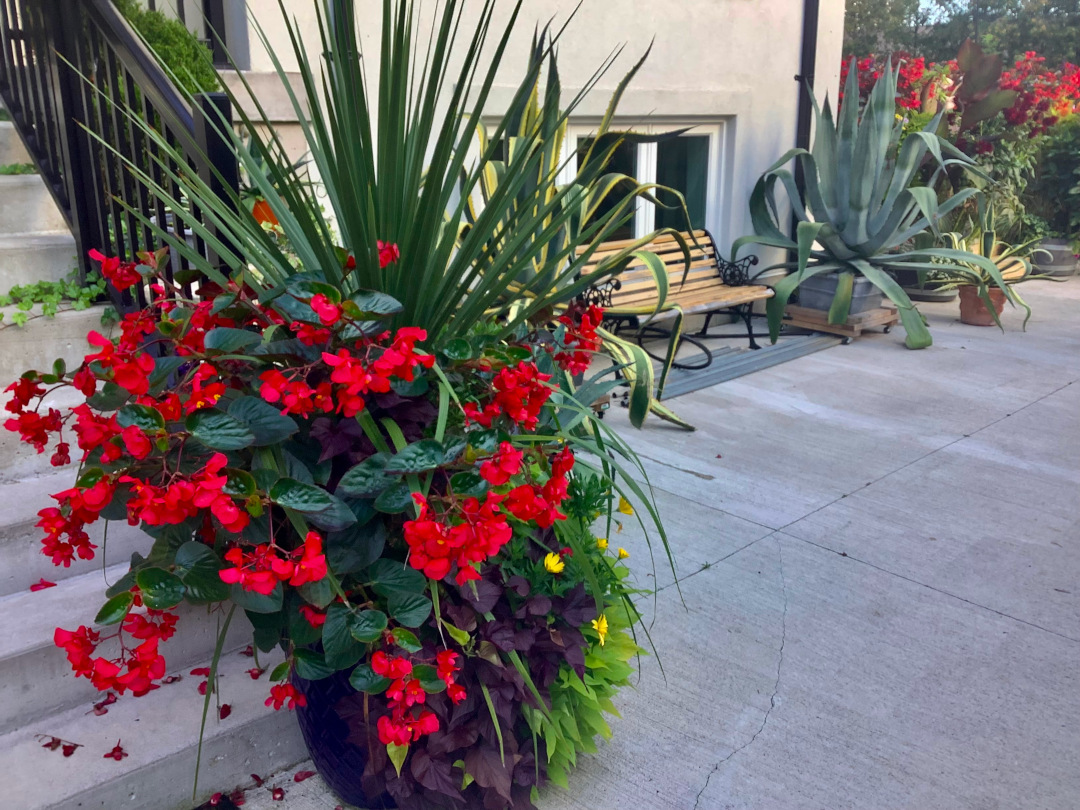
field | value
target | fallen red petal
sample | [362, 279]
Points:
[215, 800]
[255, 673]
[69, 749]
[201, 672]
[258, 780]
[302, 775]
[224, 711]
[42, 584]
[249, 651]
[117, 753]
[277, 794]
[172, 679]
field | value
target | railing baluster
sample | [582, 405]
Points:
[47, 47]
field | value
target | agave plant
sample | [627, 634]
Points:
[861, 205]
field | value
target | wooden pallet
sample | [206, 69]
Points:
[881, 318]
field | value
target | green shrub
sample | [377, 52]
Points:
[1055, 192]
[177, 48]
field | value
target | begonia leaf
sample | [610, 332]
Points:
[370, 305]
[293, 494]
[355, 548]
[365, 679]
[198, 566]
[114, 610]
[266, 423]
[219, 431]
[311, 666]
[229, 341]
[109, 398]
[396, 499]
[409, 609]
[367, 625]
[390, 576]
[424, 455]
[367, 478]
[406, 639]
[141, 416]
[240, 483]
[160, 589]
[339, 646]
[257, 602]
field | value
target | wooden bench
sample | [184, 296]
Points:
[711, 285]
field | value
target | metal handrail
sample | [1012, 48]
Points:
[67, 67]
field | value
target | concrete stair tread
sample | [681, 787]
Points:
[28, 618]
[21, 561]
[35, 677]
[160, 733]
[36, 239]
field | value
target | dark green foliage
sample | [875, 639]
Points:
[177, 48]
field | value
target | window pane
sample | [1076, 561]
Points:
[683, 164]
[623, 161]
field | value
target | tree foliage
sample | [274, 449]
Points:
[936, 28]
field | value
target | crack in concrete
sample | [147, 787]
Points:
[701, 475]
[776, 685]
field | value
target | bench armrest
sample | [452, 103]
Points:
[737, 273]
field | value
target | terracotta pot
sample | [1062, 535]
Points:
[973, 310]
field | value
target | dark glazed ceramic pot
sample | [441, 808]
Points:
[339, 762]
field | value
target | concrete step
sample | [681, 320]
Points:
[11, 146]
[27, 258]
[21, 561]
[26, 206]
[35, 678]
[36, 346]
[160, 733]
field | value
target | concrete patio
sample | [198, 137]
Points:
[879, 567]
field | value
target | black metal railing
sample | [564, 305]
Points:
[68, 71]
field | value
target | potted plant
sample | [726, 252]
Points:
[981, 300]
[861, 205]
[375, 453]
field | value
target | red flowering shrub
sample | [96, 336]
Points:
[303, 459]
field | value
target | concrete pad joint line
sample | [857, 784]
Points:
[927, 455]
[931, 588]
[776, 686]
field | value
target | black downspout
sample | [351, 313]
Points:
[805, 78]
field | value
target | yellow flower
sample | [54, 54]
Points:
[625, 507]
[623, 553]
[601, 543]
[554, 563]
[600, 626]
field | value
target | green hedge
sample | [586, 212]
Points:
[177, 48]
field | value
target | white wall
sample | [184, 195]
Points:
[712, 60]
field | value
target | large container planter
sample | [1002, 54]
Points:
[1055, 257]
[818, 293]
[973, 309]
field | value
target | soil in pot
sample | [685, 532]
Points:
[973, 310]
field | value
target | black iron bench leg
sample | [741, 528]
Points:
[747, 313]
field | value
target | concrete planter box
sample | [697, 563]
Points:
[818, 293]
